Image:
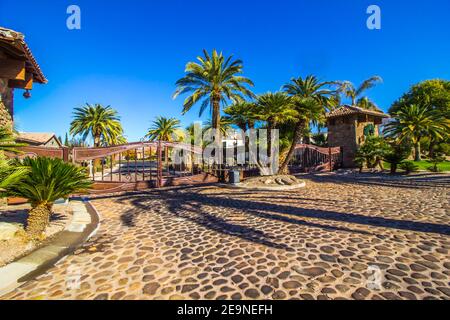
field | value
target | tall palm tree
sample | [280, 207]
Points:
[99, 122]
[46, 181]
[164, 129]
[213, 81]
[354, 93]
[413, 122]
[310, 100]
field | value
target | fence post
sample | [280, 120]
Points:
[159, 175]
[330, 160]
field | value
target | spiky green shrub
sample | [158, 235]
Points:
[46, 181]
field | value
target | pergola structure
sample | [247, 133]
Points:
[18, 70]
[348, 128]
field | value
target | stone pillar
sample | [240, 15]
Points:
[6, 104]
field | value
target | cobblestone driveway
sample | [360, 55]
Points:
[337, 238]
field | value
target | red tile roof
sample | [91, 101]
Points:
[350, 110]
[16, 42]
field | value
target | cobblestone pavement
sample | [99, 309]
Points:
[338, 238]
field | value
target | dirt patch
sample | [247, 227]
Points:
[17, 247]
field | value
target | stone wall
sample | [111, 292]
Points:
[6, 104]
[342, 133]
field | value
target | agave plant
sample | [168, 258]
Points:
[46, 181]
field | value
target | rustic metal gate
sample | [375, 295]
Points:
[140, 165]
[310, 158]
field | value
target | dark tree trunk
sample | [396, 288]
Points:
[297, 136]
[393, 168]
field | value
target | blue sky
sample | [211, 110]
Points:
[129, 54]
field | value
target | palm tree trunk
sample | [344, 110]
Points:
[38, 220]
[96, 145]
[417, 151]
[393, 168]
[297, 135]
[216, 113]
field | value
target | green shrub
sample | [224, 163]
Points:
[409, 166]
[46, 181]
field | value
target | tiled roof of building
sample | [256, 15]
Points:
[16, 42]
[36, 137]
[349, 110]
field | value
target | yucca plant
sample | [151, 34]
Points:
[46, 181]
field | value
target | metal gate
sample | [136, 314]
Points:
[141, 165]
[310, 158]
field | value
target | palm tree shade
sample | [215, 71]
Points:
[413, 122]
[213, 81]
[46, 181]
[99, 122]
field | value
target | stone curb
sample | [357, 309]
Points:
[84, 224]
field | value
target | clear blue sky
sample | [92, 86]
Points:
[129, 54]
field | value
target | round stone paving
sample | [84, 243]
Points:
[338, 238]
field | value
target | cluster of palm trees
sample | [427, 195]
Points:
[215, 82]
[412, 123]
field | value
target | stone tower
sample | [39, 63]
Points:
[348, 128]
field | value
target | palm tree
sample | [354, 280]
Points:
[9, 173]
[225, 126]
[8, 141]
[164, 129]
[413, 122]
[213, 81]
[310, 100]
[99, 122]
[47, 180]
[354, 93]
[242, 114]
[274, 109]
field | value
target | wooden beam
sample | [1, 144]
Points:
[26, 84]
[12, 69]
